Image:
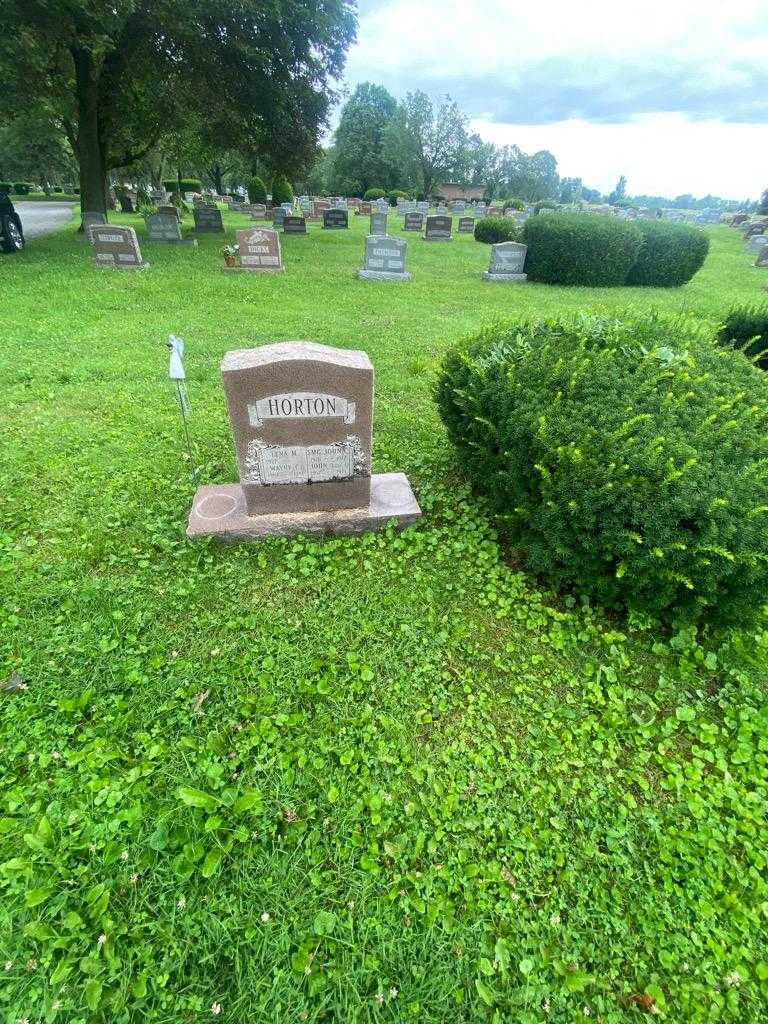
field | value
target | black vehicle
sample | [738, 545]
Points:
[11, 231]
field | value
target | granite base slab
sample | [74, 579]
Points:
[513, 278]
[383, 275]
[219, 511]
[254, 270]
[120, 266]
[192, 242]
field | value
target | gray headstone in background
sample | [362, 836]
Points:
[278, 216]
[458, 206]
[208, 219]
[422, 207]
[294, 226]
[382, 205]
[438, 229]
[442, 211]
[335, 219]
[756, 242]
[288, 207]
[170, 211]
[384, 259]
[414, 221]
[163, 227]
[507, 263]
[378, 224]
[115, 247]
[466, 225]
[762, 257]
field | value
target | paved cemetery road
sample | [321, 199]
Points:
[40, 218]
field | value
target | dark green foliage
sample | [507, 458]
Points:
[544, 204]
[626, 460]
[190, 185]
[374, 193]
[171, 185]
[6, 187]
[281, 190]
[496, 229]
[394, 195]
[580, 249]
[746, 329]
[513, 204]
[257, 190]
[670, 254]
[21, 188]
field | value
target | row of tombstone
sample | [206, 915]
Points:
[117, 247]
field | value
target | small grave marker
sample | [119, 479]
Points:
[378, 223]
[384, 259]
[507, 263]
[334, 220]
[208, 220]
[413, 222]
[466, 225]
[115, 247]
[438, 229]
[294, 225]
[259, 251]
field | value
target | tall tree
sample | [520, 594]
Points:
[432, 139]
[118, 74]
[359, 163]
[619, 192]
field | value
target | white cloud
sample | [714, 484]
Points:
[672, 93]
[661, 154]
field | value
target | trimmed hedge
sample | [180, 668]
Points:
[576, 249]
[625, 460]
[746, 329]
[257, 190]
[374, 193]
[496, 229]
[6, 187]
[670, 254]
[281, 190]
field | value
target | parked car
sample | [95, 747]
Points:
[11, 231]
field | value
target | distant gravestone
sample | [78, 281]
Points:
[278, 216]
[256, 211]
[301, 417]
[413, 222]
[458, 206]
[466, 225]
[364, 208]
[259, 250]
[480, 210]
[756, 242]
[382, 205]
[438, 229]
[507, 263]
[294, 225]
[115, 247]
[319, 206]
[384, 259]
[165, 227]
[422, 207]
[442, 211]
[335, 219]
[288, 207]
[208, 219]
[169, 211]
[378, 223]
[126, 204]
[762, 257]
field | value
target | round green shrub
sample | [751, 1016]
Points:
[512, 204]
[374, 193]
[281, 190]
[746, 329]
[496, 229]
[21, 188]
[544, 204]
[580, 249]
[257, 190]
[190, 185]
[670, 254]
[626, 460]
[394, 195]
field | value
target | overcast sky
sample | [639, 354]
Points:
[672, 93]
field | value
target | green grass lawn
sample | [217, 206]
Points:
[371, 779]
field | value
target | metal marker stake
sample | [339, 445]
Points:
[176, 373]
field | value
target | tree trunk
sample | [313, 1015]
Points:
[89, 149]
[218, 179]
